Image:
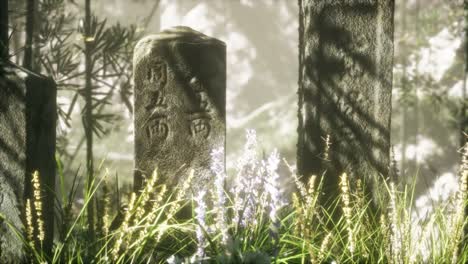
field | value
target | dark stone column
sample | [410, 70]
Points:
[179, 107]
[41, 117]
[345, 84]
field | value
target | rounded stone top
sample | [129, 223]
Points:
[178, 34]
[182, 34]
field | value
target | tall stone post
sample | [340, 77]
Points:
[27, 144]
[345, 84]
[41, 120]
[179, 107]
[12, 162]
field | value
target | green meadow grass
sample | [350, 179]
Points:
[253, 222]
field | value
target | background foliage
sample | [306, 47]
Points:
[262, 79]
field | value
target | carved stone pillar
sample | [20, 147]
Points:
[345, 87]
[179, 116]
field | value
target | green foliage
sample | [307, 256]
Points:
[59, 52]
[149, 229]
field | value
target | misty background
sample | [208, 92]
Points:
[262, 75]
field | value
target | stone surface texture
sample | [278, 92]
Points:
[27, 143]
[12, 161]
[345, 84]
[41, 118]
[179, 104]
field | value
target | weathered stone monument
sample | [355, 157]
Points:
[12, 161]
[179, 107]
[41, 120]
[27, 144]
[345, 84]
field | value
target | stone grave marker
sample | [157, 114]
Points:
[179, 104]
[27, 144]
[345, 86]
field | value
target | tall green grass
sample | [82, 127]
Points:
[255, 221]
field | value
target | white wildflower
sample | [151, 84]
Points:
[200, 212]
[274, 193]
[248, 182]
[217, 167]
[272, 184]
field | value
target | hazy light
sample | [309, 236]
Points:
[439, 56]
[420, 151]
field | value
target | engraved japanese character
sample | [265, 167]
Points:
[157, 74]
[156, 128]
[200, 125]
[155, 99]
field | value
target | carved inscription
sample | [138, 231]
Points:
[200, 125]
[157, 74]
[200, 121]
[201, 95]
[155, 99]
[156, 128]
[179, 116]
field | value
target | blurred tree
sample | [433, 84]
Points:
[424, 112]
[4, 36]
[408, 101]
[31, 20]
[404, 103]
[88, 38]
[464, 105]
[107, 53]
[110, 49]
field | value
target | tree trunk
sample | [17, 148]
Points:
[301, 150]
[30, 17]
[464, 106]
[417, 112]
[404, 128]
[88, 116]
[345, 83]
[3, 30]
[405, 90]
